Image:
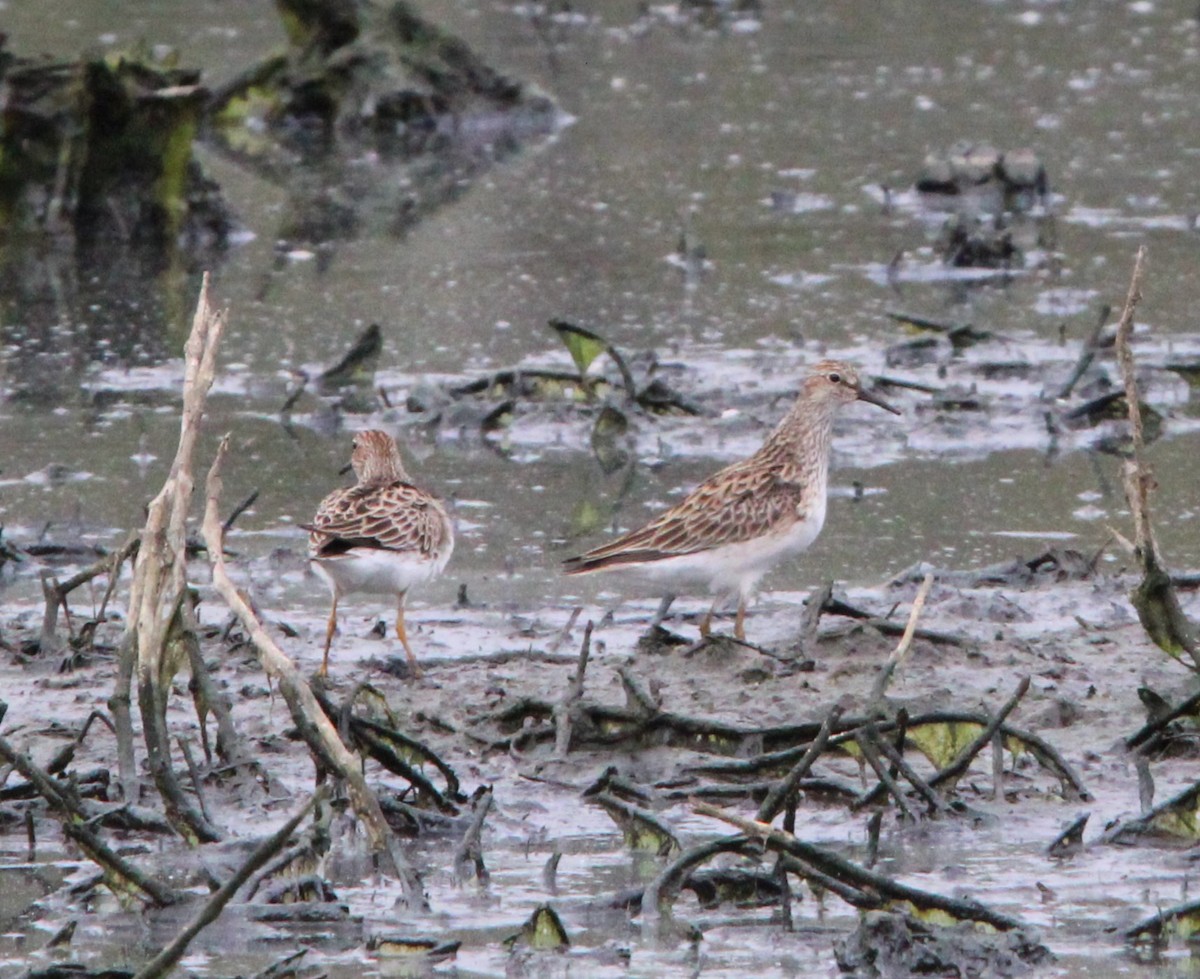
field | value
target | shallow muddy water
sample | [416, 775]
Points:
[771, 139]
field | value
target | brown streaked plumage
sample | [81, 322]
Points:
[732, 528]
[381, 536]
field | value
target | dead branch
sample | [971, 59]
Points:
[1090, 346]
[899, 766]
[811, 620]
[162, 963]
[837, 607]
[468, 857]
[122, 877]
[867, 747]
[315, 727]
[565, 709]
[1146, 738]
[876, 885]
[902, 647]
[55, 592]
[661, 892]
[1154, 598]
[773, 804]
[155, 633]
[961, 763]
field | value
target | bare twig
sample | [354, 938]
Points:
[661, 892]
[1086, 355]
[902, 767]
[468, 857]
[565, 708]
[773, 804]
[961, 763]
[902, 647]
[122, 877]
[1155, 599]
[811, 620]
[867, 748]
[867, 881]
[565, 632]
[238, 510]
[194, 775]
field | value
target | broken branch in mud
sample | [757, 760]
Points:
[889, 628]
[810, 622]
[875, 700]
[1090, 346]
[468, 856]
[867, 749]
[955, 769]
[874, 884]
[122, 877]
[155, 635]
[1154, 598]
[1147, 737]
[564, 709]
[660, 893]
[774, 803]
[642, 830]
[394, 751]
[315, 727]
[172, 953]
[56, 592]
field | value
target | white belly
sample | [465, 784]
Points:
[733, 569]
[377, 572]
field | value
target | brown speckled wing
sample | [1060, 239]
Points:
[737, 504]
[398, 517]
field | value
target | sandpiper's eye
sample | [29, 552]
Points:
[835, 378]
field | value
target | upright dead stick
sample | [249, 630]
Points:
[314, 726]
[1154, 598]
[566, 707]
[903, 646]
[160, 581]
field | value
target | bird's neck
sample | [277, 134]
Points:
[799, 446]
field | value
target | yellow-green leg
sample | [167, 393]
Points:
[739, 624]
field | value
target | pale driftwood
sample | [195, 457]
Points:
[153, 647]
[903, 646]
[314, 726]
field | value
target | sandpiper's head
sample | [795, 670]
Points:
[376, 459]
[834, 383]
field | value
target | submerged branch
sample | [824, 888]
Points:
[166, 959]
[875, 884]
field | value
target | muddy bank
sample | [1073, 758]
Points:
[477, 707]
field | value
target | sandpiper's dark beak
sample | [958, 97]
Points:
[872, 398]
[350, 465]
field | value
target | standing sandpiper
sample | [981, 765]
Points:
[732, 528]
[380, 536]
